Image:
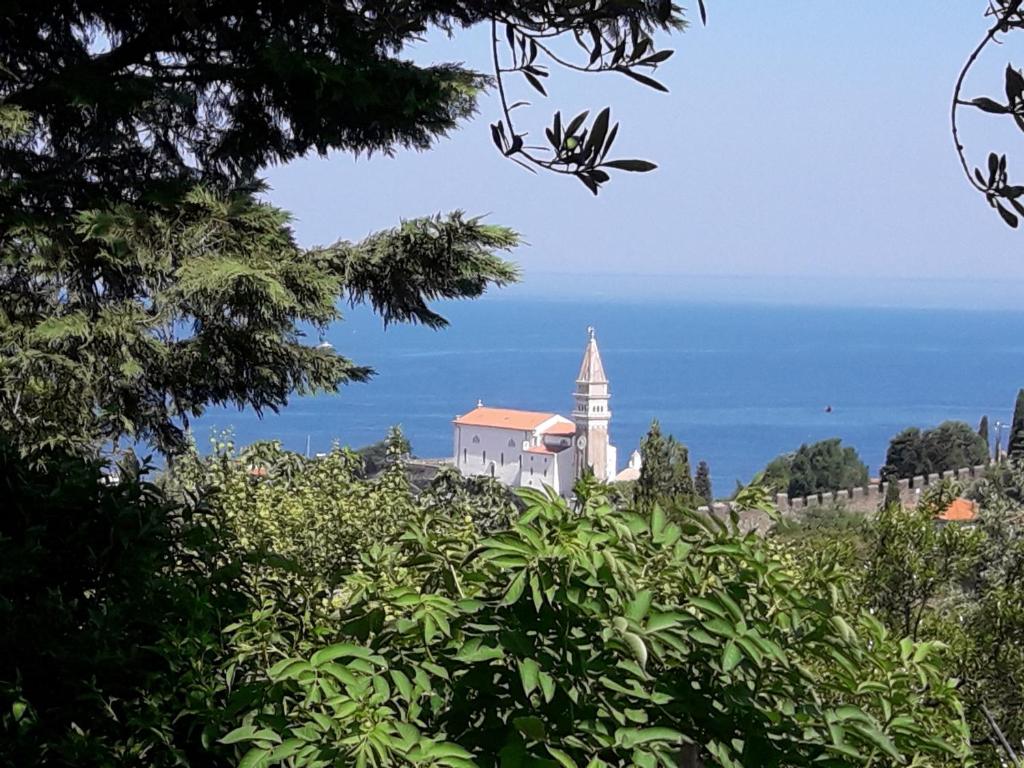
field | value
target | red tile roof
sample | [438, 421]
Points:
[503, 418]
[561, 428]
[961, 510]
[540, 449]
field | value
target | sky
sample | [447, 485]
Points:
[804, 154]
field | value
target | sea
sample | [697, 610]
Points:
[737, 384]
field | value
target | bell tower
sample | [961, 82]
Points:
[591, 414]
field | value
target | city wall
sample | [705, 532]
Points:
[865, 498]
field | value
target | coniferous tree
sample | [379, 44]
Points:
[143, 279]
[655, 468]
[983, 431]
[665, 470]
[702, 483]
[1015, 449]
[892, 495]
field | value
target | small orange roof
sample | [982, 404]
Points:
[561, 428]
[539, 449]
[961, 510]
[503, 418]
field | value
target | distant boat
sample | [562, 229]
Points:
[828, 409]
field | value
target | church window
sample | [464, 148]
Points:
[503, 459]
[476, 439]
[511, 443]
[464, 452]
[485, 457]
[492, 469]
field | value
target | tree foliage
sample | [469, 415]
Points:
[570, 634]
[702, 483]
[820, 467]
[958, 583]
[994, 181]
[143, 279]
[951, 445]
[1015, 447]
[604, 638]
[664, 469]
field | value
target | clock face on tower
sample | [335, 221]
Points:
[581, 441]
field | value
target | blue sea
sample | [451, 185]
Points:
[737, 384]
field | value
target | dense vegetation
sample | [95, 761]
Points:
[246, 627]
[143, 278]
[960, 585]
[950, 445]
[816, 468]
[253, 607]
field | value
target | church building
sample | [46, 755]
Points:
[533, 448]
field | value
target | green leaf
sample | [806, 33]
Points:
[635, 166]
[877, 738]
[254, 758]
[515, 589]
[631, 737]
[530, 726]
[988, 105]
[637, 646]
[339, 650]
[731, 656]
[561, 757]
[529, 671]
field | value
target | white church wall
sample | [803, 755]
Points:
[489, 451]
[538, 471]
[566, 472]
[613, 461]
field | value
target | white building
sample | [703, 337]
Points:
[533, 449]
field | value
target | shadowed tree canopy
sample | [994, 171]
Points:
[950, 445]
[819, 467]
[142, 277]
[664, 470]
[1015, 447]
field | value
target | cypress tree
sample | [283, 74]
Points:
[983, 430]
[892, 495]
[655, 469]
[1015, 449]
[702, 483]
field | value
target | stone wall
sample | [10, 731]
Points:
[860, 499]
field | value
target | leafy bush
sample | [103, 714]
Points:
[600, 637]
[111, 607]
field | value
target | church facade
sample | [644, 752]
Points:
[533, 449]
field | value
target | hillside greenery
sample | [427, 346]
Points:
[253, 607]
[957, 584]
[400, 630]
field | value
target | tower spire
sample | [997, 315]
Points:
[591, 369]
[592, 414]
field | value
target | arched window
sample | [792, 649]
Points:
[492, 469]
[503, 459]
[485, 457]
[511, 443]
[476, 439]
[464, 452]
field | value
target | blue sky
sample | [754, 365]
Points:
[804, 145]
